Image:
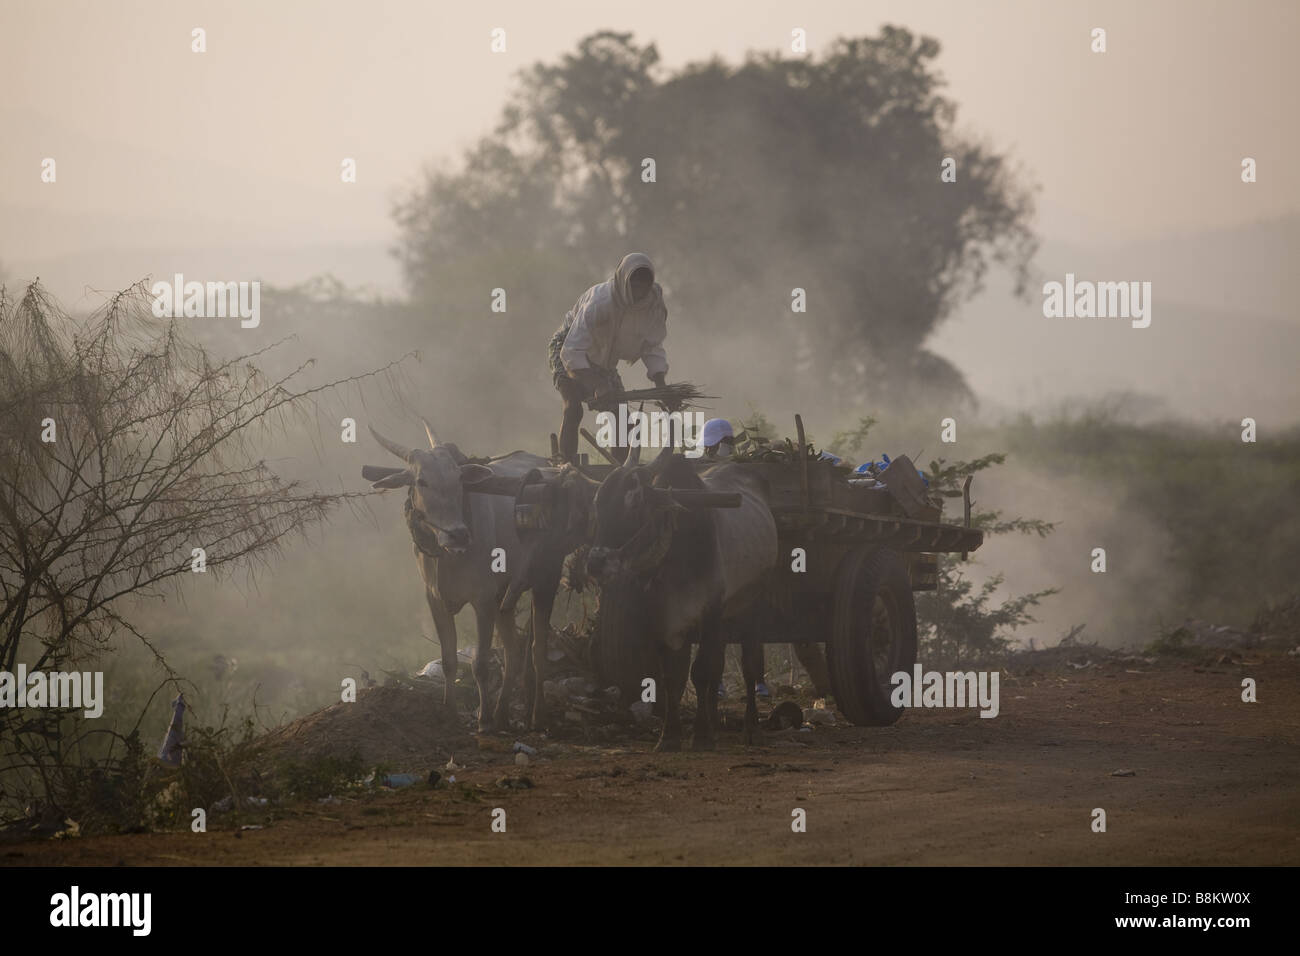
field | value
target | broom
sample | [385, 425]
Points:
[684, 394]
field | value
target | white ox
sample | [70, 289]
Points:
[455, 534]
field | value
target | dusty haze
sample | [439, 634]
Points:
[227, 164]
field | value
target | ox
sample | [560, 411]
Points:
[692, 569]
[455, 534]
[566, 497]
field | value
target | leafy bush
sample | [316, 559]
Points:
[1226, 508]
[320, 776]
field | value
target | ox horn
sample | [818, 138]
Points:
[586, 475]
[392, 446]
[428, 430]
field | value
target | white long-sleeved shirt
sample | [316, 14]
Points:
[602, 333]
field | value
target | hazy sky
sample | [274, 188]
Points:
[227, 162]
[243, 143]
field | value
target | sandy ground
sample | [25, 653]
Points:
[1215, 781]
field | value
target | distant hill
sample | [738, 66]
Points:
[1244, 270]
[109, 268]
[1224, 341]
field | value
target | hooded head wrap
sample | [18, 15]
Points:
[622, 281]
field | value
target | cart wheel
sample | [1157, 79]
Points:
[873, 634]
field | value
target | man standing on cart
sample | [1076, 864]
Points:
[623, 318]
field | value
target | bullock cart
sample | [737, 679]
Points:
[850, 557]
[851, 554]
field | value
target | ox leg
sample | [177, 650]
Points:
[514, 648]
[675, 664]
[706, 675]
[445, 624]
[543, 603]
[814, 662]
[530, 674]
[751, 664]
[485, 618]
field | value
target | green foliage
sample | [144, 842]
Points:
[123, 789]
[752, 437]
[946, 480]
[758, 423]
[754, 444]
[1221, 504]
[320, 776]
[850, 442]
[958, 621]
[216, 757]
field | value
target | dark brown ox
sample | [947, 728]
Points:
[686, 570]
[455, 534]
[563, 498]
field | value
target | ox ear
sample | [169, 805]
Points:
[378, 472]
[398, 479]
[473, 474]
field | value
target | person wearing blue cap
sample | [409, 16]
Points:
[718, 438]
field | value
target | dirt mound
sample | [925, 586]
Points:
[401, 726]
[387, 725]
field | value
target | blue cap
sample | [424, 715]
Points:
[715, 429]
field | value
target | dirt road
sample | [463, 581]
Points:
[1215, 781]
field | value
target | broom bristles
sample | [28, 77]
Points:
[685, 394]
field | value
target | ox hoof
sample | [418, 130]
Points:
[668, 746]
